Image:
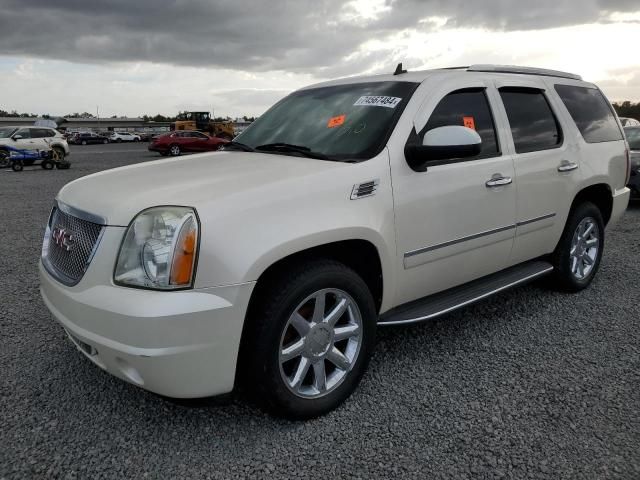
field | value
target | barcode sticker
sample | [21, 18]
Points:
[378, 101]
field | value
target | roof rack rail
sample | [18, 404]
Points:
[523, 70]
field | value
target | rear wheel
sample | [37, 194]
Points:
[47, 164]
[105, 141]
[578, 254]
[119, 140]
[174, 150]
[309, 340]
[17, 166]
[58, 154]
[84, 142]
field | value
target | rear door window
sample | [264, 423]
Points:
[534, 127]
[591, 112]
[469, 108]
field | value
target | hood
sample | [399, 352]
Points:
[119, 194]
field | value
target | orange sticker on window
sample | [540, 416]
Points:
[336, 121]
[469, 122]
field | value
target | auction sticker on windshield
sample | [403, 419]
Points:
[378, 101]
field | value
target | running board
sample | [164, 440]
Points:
[440, 303]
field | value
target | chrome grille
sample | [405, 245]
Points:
[70, 244]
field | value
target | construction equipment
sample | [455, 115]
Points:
[202, 122]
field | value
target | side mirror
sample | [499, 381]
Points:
[16, 137]
[442, 144]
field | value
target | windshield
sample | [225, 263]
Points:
[5, 132]
[340, 122]
[633, 137]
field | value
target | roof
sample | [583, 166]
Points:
[420, 76]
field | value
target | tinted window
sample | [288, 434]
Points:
[468, 107]
[24, 132]
[41, 133]
[533, 125]
[591, 112]
[198, 135]
[633, 137]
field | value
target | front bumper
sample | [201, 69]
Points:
[178, 344]
[156, 148]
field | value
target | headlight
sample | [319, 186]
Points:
[159, 249]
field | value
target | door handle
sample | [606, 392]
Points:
[498, 181]
[567, 166]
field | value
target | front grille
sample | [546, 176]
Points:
[71, 242]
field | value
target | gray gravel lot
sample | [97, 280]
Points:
[529, 384]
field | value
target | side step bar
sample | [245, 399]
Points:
[441, 303]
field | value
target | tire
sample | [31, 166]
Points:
[84, 142]
[58, 154]
[174, 150]
[17, 166]
[270, 333]
[118, 140]
[136, 139]
[48, 164]
[4, 159]
[577, 257]
[105, 141]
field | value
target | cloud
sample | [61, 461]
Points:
[317, 36]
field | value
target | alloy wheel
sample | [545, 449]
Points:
[320, 343]
[585, 246]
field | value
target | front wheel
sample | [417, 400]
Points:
[579, 251]
[84, 142]
[309, 340]
[174, 150]
[17, 166]
[48, 164]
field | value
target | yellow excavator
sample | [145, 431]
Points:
[202, 122]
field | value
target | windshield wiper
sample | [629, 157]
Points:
[287, 147]
[238, 146]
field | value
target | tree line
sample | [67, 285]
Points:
[147, 118]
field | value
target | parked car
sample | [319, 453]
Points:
[144, 136]
[352, 204]
[176, 143]
[119, 137]
[87, 138]
[633, 137]
[34, 138]
[629, 122]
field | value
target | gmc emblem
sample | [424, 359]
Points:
[62, 238]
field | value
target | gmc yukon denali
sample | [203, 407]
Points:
[352, 204]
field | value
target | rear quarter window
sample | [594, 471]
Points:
[591, 113]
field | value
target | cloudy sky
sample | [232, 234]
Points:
[238, 56]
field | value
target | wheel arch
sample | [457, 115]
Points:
[599, 194]
[358, 254]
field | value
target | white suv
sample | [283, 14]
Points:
[34, 138]
[124, 137]
[350, 204]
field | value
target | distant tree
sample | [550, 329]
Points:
[627, 109]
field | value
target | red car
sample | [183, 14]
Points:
[175, 143]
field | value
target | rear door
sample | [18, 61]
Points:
[452, 225]
[546, 166]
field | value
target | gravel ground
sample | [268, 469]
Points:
[529, 384]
